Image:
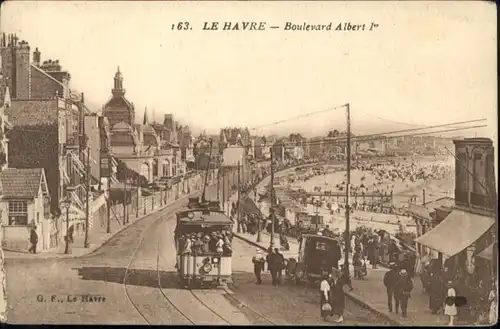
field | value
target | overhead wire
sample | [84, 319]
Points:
[333, 141]
[299, 117]
[392, 121]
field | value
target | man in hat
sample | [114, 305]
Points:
[188, 243]
[280, 264]
[33, 239]
[258, 265]
[198, 244]
[390, 279]
[402, 291]
[272, 265]
[206, 244]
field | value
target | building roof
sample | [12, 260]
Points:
[21, 183]
[121, 126]
[119, 100]
[48, 76]
[424, 211]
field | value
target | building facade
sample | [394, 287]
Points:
[471, 225]
[24, 203]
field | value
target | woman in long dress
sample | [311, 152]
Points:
[450, 308]
[339, 280]
[492, 317]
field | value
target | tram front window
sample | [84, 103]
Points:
[206, 243]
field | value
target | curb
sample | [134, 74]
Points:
[367, 305]
[237, 235]
[98, 246]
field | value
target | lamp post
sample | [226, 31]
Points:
[67, 204]
[259, 224]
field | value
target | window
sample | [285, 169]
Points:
[479, 174]
[490, 173]
[155, 167]
[461, 172]
[18, 213]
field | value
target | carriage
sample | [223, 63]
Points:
[317, 254]
[206, 260]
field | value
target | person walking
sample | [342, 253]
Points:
[271, 260]
[338, 281]
[390, 279]
[436, 291]
[258, 265]
[450, 308]
[376, 250]
[324, 301]
[33, 240]
[280, 264]
[493, 311]
[402, 292]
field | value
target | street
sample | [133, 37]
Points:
[119, 284]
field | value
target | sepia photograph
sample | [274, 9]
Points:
[249, 163]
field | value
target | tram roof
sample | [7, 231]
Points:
[202, 216]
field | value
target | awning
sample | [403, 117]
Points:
[249, 207]
[456, 232]
[487, 253]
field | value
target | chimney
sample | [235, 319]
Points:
[36, 57]
[23, 71]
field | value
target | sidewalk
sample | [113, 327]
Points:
[369, 292]
[97, 237]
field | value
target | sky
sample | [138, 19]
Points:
[427, 63]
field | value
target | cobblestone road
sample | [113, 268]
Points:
[50, 290]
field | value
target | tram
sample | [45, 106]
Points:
[203, 236]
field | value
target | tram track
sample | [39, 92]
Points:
[127, 271]
[241, 304]
[147, 233]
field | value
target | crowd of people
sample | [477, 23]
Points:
[480, 294]
[198, 244]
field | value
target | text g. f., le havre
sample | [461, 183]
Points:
[288, 26]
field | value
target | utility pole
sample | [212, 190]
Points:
[271, 210]
[108, 200]
[238, 228]
[423, 197]
[218, 184]
[348, 191]
[223, 189]
[87, 201]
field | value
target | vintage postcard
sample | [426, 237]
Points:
[248, 163]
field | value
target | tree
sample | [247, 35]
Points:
[295, 137]
[333, 133]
